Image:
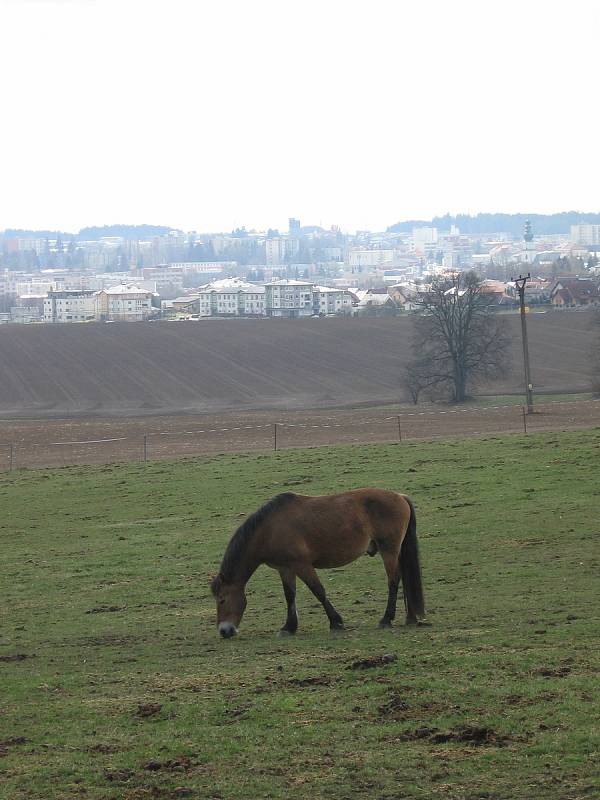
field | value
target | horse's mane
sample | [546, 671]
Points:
[239, 540]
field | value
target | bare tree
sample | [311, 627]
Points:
[459, 341]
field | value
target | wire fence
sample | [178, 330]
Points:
[45, 447]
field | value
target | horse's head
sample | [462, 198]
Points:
[231, 604]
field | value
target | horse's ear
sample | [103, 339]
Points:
[215, 583]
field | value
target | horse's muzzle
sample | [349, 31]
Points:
[227, 630]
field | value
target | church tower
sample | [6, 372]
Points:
[529, 252]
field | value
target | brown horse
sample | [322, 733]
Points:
[296, 534]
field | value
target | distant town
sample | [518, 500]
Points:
[150, 273]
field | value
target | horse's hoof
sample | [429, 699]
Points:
[418, 623]
[285, 632]
[385, 623]
[336, 628]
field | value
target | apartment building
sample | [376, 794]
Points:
[126, 302]
[70, 305]
[280, 249]
[331, 301]
[585, 234]
[289, 298]
[360, 258]
[230, 297]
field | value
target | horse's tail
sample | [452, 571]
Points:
[410, 569]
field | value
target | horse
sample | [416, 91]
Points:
[298, 534]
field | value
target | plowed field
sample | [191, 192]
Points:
[135, 369]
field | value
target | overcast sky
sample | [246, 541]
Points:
[209, 114]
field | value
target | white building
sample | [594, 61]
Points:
[359, 258]
[585, 234]
[203, 267]
[253, 300]
[424, 239]
[70, 306]
[288, 298]
[230, 297]
[38, 286]
[331, 301]
[125, 302]
[279, 249]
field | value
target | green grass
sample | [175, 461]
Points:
[508, 528]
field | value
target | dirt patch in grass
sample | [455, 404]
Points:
[15, 657]
[395, 708]
[104, 747]
[12, 742]
[145, 710]
[519, 700]
[109, 640]
[178, 764]
[118, 775]
[160, 793]
[470, 734]
[236, 712]
[314, 680]
[553, 672]
[374, 661]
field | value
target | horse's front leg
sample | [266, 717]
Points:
[308, 574]
[288, 579]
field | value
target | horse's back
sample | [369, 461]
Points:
[333, 530]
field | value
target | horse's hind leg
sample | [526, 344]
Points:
[392, 568]
[288, 579]
[308, 574]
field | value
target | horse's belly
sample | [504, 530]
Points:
[330, 560]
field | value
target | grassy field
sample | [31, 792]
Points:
[114, 683]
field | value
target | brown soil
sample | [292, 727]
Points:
[135, 369]
[56, 443]
[471, 734]
[374, 661]
[94, 394]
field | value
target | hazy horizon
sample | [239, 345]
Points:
[214, 116]
[283, 230]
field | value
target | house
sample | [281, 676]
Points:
[184, 304]
[376, 302]
[573, 292]
[403, 296]
[497, 292]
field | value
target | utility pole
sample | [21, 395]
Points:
[520, 283]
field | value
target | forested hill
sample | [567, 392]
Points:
[92, 233]
[126, 231]
[502, 223]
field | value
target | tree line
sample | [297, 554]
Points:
[502, 223]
